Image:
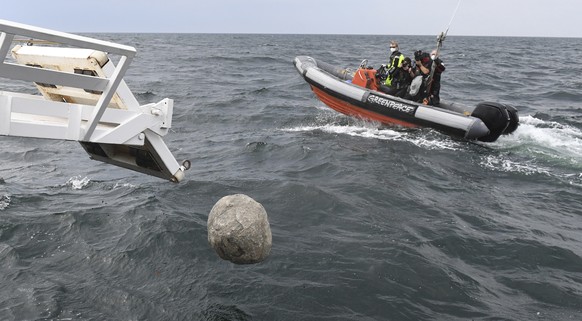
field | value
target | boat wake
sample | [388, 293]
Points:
[540, 147]
[546, 138]
[336, 124]
[537, 147]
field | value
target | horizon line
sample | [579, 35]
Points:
[317, 34]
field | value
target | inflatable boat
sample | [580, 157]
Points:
[337, 88]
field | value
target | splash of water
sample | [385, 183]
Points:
[371, 130]
[562, 140]
[77, 182]
[540, 147]
[4, 201]
[546, 141]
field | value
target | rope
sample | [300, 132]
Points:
[453, 17]
[440, 40]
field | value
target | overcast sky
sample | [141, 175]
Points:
[557, 18]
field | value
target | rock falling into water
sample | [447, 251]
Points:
[238, 230]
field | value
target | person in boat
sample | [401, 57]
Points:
[405, 77]
[394, 69]
[418, 73]
[436, 84]
[430, 91]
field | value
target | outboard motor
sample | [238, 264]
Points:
[513, 122]
[499, 118]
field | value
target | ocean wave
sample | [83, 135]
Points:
[369, 221]
[562, 95]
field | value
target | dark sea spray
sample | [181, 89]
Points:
[368, 222]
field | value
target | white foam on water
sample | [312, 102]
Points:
[350, 130]
[372, 130]
[77, 182]
[434, 143]
[4, 201]
[123, 185]
[501, 163]
[536, 147]
[540, 147]
[546, 138]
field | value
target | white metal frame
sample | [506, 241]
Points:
[132, 125]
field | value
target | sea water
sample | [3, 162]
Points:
[369, 222]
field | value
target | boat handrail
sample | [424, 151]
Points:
[91, 105]
[14, 28]
[29, 73]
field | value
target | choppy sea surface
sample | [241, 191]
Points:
[369, 222]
